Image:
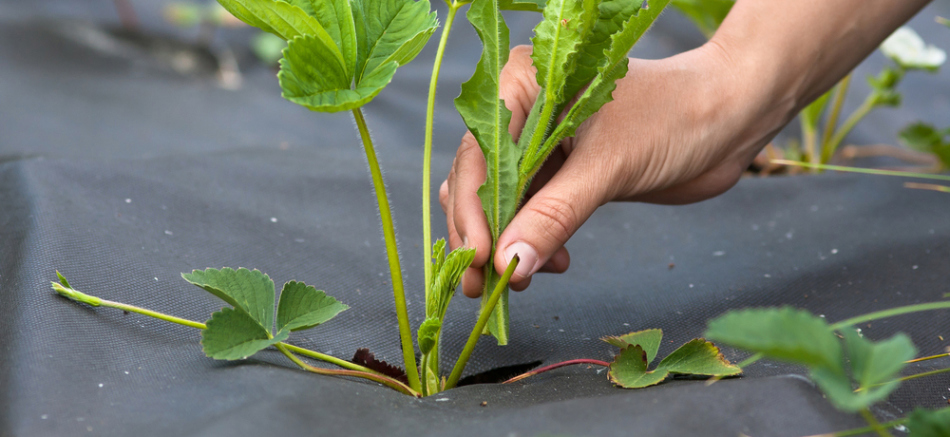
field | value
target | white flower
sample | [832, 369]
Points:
[908, 50]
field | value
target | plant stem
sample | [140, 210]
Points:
[908, 377]
[198, 325]
[832, 123]
[891, 313]
[392, 252]
[853, 119]
[860, 431]
[932, 187]
[809, 139]
[480, 324]
[875, 425]
[385, 380]
[932, 357]
[556, 366]
[905, 174]
[427, 148]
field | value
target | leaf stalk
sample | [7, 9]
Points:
[385, 380]
[557, 366]
[392, 253]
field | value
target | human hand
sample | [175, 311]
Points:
[678, 131]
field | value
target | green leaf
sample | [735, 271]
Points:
[302, 307]
[232, 335]
[925, 423]
[282, 19]
[784, 334]
[629, 369]
[601, 88]
[447, 279]
[612, 14]
[428, 334]
[486, 116]
[522, 5]
[249, 291]
[707, 15]
[390, 31]
[648, 339]
[311, 77]
[62, 280]
[336, 16]
[566, 25]
[920, 136]
[698, 357]
[438, 254]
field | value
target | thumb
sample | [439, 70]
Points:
[550, 217]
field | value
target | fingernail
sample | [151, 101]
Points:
[529, 258]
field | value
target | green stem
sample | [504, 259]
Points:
[838, 103]
[865, 430]
[853, 119]
[150, 313]
[879, 172]
[875, 425]
[932, 357]
[385, 380]
[891, 313]
[392, 252]
[427, 148]
[809, 138]
[908, 377]
[480, 325]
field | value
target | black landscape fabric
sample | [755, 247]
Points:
[122, 172]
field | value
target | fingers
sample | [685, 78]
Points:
[549, 218]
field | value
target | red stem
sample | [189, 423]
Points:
[557, 365]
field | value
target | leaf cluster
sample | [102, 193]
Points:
[630, 368]
[580, 50]
[247, 326]
[852, 371]
[928, 139]
[340, 53]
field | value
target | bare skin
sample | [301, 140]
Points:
[680, 130]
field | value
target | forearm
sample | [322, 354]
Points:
[789, 53]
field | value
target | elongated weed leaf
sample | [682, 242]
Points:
[232, 335]
[486, 116]
[648, 339]
[566, 25]
[698, 357]
[629, 369]
[447, 279]
[522, 5]
[784, 334]
[248, 291]
[302, 307]
[929, 423]
[812, 113]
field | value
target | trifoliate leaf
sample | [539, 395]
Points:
[629, 369]
[486, 116]
[282, 19]
[246, 290]
[428, 334]
[311, 77]
[783, 334]
[707, 15]
[926, 423]
[648, 339]
[920, 136]
[303, 307]
[390, 31]
[232, 335]
[336, 16]
[698, 357]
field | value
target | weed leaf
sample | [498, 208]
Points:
[428, 334]
[783, 334]
[522, 5]
[812, 113]
[629, 369]
[707, 15]
[302, 306]
[390, 31]
[648, 339]
[232, 335]
[925, 423]
[486, 116]
[248, 291]
[556, 39]
[698, 357]
[367, 359]
[601, 88]
[447, 279]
